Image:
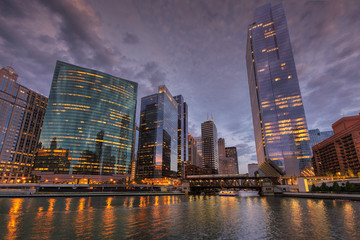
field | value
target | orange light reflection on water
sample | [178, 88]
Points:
[12, 226]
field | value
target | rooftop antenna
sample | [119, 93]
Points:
[207, 116]
[212, 118]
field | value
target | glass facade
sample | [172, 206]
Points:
[317, 137]
[280, 128]
[21, 116]
[183, 139]
[158, 136]
[89, 124]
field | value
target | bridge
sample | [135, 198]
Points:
[235, 181]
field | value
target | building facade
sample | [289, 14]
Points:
[280, 128]
[183, 139]
[21, 117]
[231, 152]
[158, 136]
[339, 153]
[253, 170]
[317, 137]
[210, 146]
[194, 156]
[198, 142]
[221, 148]
[89, 125]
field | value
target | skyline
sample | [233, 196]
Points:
[157, 41]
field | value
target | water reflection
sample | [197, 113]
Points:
[14, 214]
[169, 217]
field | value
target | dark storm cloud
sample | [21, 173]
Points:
[151, 76]
[131, 39]
[77, 29]
[197, 48]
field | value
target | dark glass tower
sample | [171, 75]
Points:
[158, 136]
[280, 128]
[89, 124]
[183, 139]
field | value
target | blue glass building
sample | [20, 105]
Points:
[280, 128]
[89, 124]
[317, 137]
[158, 136]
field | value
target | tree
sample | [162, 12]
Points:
[314, 188]
[335, 187]
[324, 187]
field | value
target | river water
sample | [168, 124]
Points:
[178, 217]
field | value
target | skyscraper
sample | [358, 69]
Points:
[158, 136]
[89, 125]
[221, 148]
[280, 128]
[317, 137]
[210, 146]
[194, 156]
[198, 142]
[21, 117]
[231, 152]
[183, 141]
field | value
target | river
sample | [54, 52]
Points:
[178, 217]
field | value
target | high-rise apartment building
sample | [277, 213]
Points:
[158, 136]
[183, 140]
[339, 153]
[89, 126]
[280, 128]
[21, 116]
[317, 137]
[210, 146]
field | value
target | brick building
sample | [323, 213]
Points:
[340, 152]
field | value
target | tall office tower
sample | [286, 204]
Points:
[158, 145]
[280, 129]
[231, 152]
[210, 146]
[221, 148]
[183, 140]
[89, 126]
[21, 116]
[317, 137]
[194, 156]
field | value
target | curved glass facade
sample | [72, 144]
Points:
[89, 123]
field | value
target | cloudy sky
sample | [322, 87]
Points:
[195, 47]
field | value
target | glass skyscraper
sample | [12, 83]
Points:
[89, 125]
[183, 139]
[158, 136]
[317, 137]
[280, 128]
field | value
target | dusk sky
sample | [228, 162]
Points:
[197, 48]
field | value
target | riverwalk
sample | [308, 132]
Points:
[335, 196]
[89, 194]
